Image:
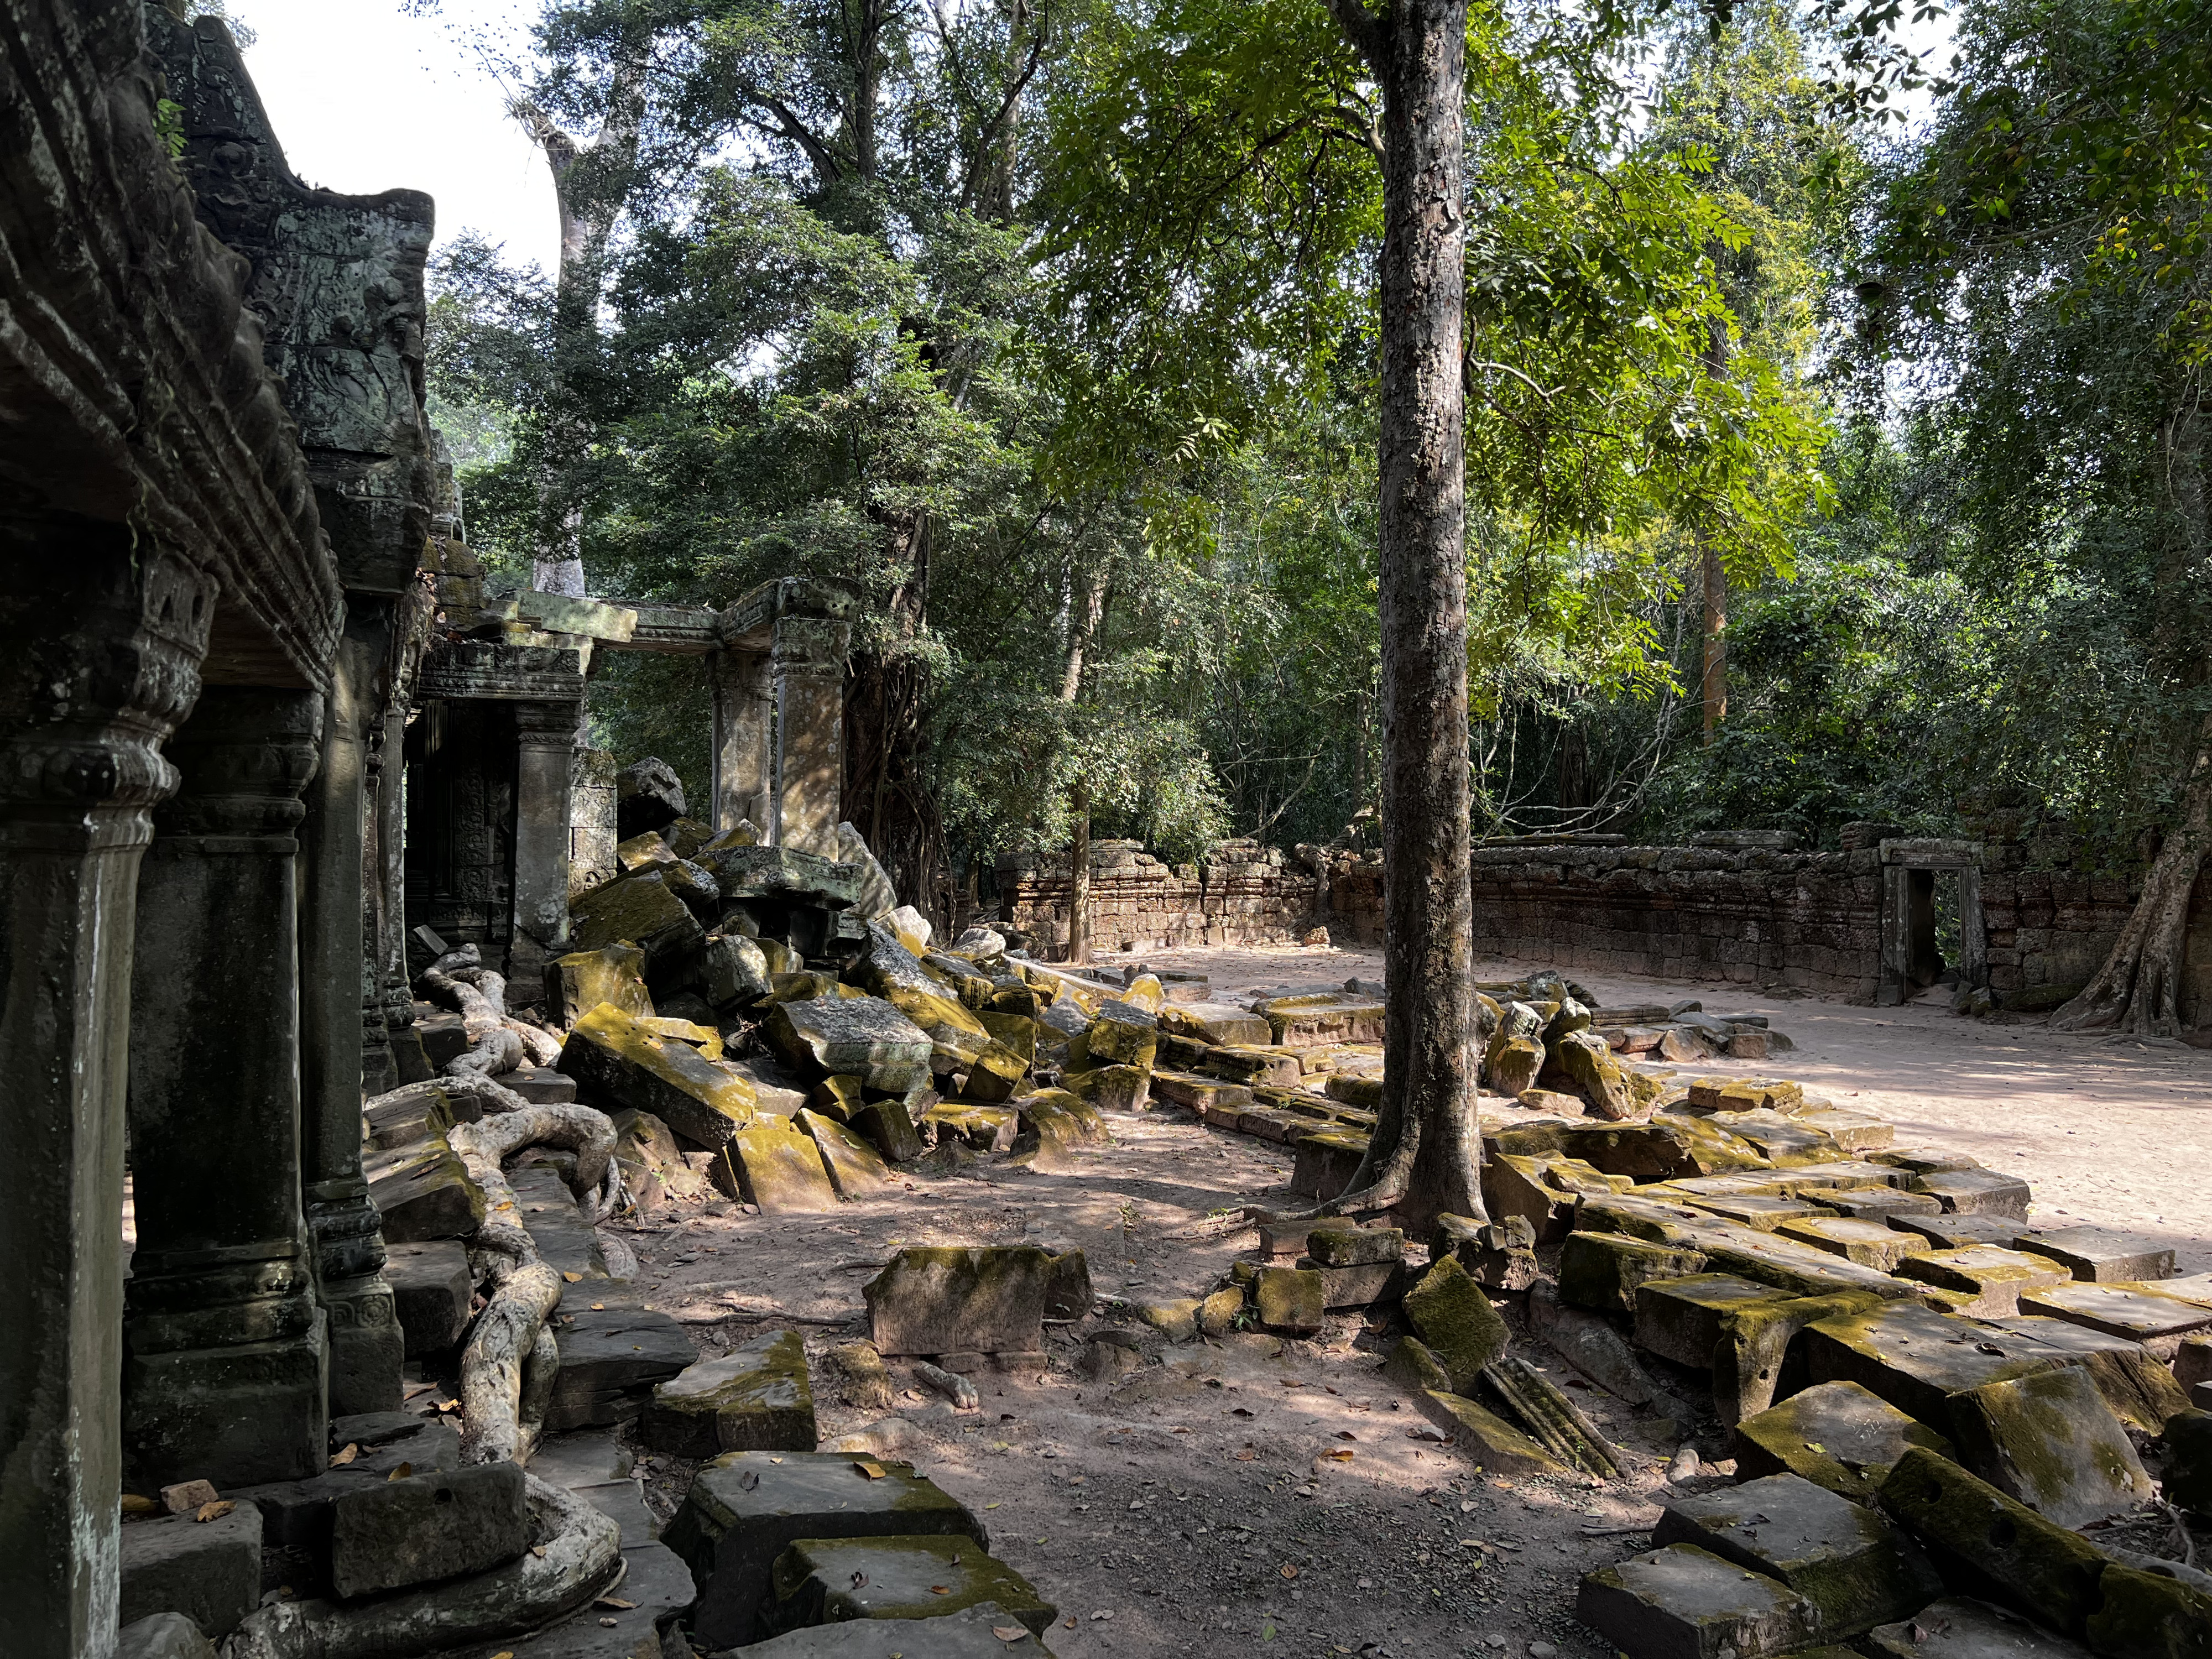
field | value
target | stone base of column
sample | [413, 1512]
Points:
[368, 1348]
[237, 1413]
[379, 1070]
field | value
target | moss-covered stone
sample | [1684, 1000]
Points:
[828, 1581]
[1869, 1243]
[956, 1036]
[1414, 1369]
[579, 981]
[1453, 1316]
[1015, 1032]
[1304, 1022]
[1122, 1035]
[1326, 1162]
[619, 1057]
[1217, 1314]
[2034, 1564]
[1055, 1127]
[705, 1038]
[1067, 1286]
[854, 1167]
[1587, 1060]
[1484, 1438]
[1215, 1023]
[756, 1398]
[1916, 1359]
[2149, 1615]
[837, 1096]
[986, 1128]
[643, 911]
[950, 1299]
[2048, 1440]
[1112, 1088]
[861, 1036]
[2143, 1393]
[736, 974]
[1500, 1255]
[1513, 1064]
[997, 1074]
[1959, 1627]
[1249, 1063]
[1348, 1245]
[1751, 1354]
[423, 1191]
[1680, 1319]
[1853, 1566]
[1601, 1271]
[1683, 1602]
[890, 1128]
[1289, 1299]
[1837, 1434]
[779, 1169]
[744, 1509]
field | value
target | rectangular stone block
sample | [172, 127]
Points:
[1326, 1162]
[615, 1058]
[1837, 1434]
[2048, 1440]
[1916, 1358]
[2102, 1255]
[208, 1571]
[855, 1168]
[743, 1510]
[949, 1299]
[1855, 1568]
[1961, 1628]
[757, 1397]
[779, 1169]
[1484, 1439]
[825, 1581]
[423, 1191]
[1602, 1270]
[1979, 1535]
[2138, 1312]
[1976, 1192]
[1869, 1244]
[1680, 1319]
[610, 1360]
[1683, 1602]
[429, 1527]
[430, 1292]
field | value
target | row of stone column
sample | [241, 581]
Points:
[779, 757]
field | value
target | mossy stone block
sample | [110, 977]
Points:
[1484, 1439]
[642, 910]
[744, 1509]
[1837, 1434]
[1289, 1299]
[579, 981]
[425, 1192]
[860, 1036]
[1454, 1317]
[617, 1057]
[956, 1037]
[779, 1168]
[855, 1168]
[888, 1125]
[1869, 1243]
[1217, 1313]
[1414, 1369]
[823, 1581]
[997, 1074]
[1602, 1270]
[986, 1128]
[1348, 1245]
[2050, 1440]
[1916, 1358]
[1959, 1627]
[2151, 1615]
[756, 1398]
[1326, 1161]
[2143, 1393]
[1977, 1535]
[1112, 1088]
[938, 1299]
[1684, 1602]
[1852, 1565]
[1122, 1035]
[1055, 1127]
[1680, 1319]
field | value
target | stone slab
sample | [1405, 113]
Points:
[2050, 1440]
[779, 1168]
[1852, 1565]
[757, 1397]
[162, 1635]
[430, 1292]
[1945, 1232]
[1979, 1535]
[1683, 1602]
[1680, 1319]
[829, 1581]
[1866, 1242]
[423, 1191]
[1916, 1358]
[2141, 1391]
[548, 1213]
[541, 1085]
[1837, 1434]
[1875, 1203]
[445, 1523]
[1976, 1192]
[2102, 1255]
[970, 1634]
[1453, 1316]
[1484, 1439]
[744, 1509]
[2140, 1313]
[208, 1571]
[1602, 1270]
[610, 1360]
[1959, 1627]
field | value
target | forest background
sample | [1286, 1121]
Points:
[1821, 466]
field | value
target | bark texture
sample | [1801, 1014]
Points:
[1423, 1158]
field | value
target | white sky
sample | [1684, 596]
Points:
[365, 97]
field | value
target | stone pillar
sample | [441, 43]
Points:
[545, 749]
[808, 665]
[224, 1373]
[745, 708]
[379, 1070]
[103, 633]
[409, 1063]
[366, 1347]
[1973, 931]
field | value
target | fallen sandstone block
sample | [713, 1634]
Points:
[1683, 1602]
[2140, 1313]
[1499, 1254]
[778, 1167]
[1602, 1270]
[1455, 1319]
[1976, 1192]
[162, 1635]
[757, 1397]
[854, 1168]
[2102, 1255]
[617, 1057]
[743, 1510]
[1837, 1434]
[1680, 1319]
[423, 1191]
[579, 981]
[1962, 1628]
[1977, 1534]
[611, 1359]
[420, 1529]
[430, 1288]
[208, 1571]
[1486, 1439]
[825, 1581]
[1326, 1162]
[860, 1036]
[1855, 1568]
[1289, 1299]
[2048, 1440]
[950, 1299]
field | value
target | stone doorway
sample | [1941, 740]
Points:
[1931, 916]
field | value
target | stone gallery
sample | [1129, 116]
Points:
[383, 1064]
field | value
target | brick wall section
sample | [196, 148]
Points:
[1244, 895]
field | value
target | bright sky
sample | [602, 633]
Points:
[365, 97]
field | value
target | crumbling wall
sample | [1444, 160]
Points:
[1244, 894]
[1765, 916]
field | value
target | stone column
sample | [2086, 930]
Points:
[366, 1347]
[1896, 934]
[103, 636]
[545, 748]
[1973, 931]
[745, 710]
[408, 1061]
[379, 1070]
[808, 665]
[224, 1373]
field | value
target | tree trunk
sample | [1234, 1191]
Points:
[1423, 1158]
[1078, 876]
[1715, 678]
[2138, 990]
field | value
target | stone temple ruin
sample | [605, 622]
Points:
[370, 1000]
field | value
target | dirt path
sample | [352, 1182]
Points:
[1204, 1506]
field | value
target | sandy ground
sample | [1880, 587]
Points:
[1206, 1506]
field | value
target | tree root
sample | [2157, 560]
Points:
[581, 1558]
[459, 980]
